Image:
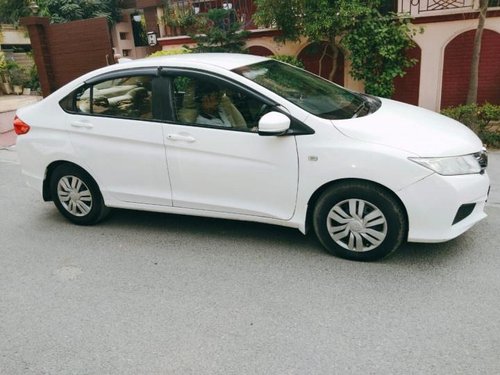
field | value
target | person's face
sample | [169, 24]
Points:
[210, 102]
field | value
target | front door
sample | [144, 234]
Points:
[216, 159]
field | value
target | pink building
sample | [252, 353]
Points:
[444, 49]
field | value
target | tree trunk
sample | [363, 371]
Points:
[320, 62]
[335, 50]
[476, 52]
[334, 61]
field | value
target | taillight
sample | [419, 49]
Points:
[20, 127]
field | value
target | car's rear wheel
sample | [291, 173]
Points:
[359, 221]
[76, 195]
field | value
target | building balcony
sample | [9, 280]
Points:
[429, 8]
[175, 13]
[420, 10]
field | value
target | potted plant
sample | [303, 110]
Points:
[187, 19]
[18, 79]
[169, 20]
[34, 81]
[5, 66]
[178, 19]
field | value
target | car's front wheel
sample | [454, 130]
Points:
[76, 195]
[359, 221]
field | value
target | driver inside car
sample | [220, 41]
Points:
[215, 108]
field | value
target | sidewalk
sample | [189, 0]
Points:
[8, 106]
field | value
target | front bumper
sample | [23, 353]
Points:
[434, 203]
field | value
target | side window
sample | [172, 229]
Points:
[82, 100]
[127, 97]
[212, 103]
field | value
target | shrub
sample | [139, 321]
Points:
[219, 30]
[168, 52]
[19, 76]
[292, 60]
[7, 66]
[34, 81]
[478, 118]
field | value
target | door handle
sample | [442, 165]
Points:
[81, 124]
[180, 137]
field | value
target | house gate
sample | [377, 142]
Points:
[63, 52]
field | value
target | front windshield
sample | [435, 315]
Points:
[308, 91]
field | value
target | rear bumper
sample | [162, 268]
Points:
[433, 203]
[32, 164]
[33, 181]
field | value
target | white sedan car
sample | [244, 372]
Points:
[249, 138]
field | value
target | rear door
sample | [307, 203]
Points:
[117, 133]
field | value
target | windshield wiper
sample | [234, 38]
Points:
[364, 105]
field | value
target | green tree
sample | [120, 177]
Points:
[219, 31]
[60, 11]
[12, 10]
[342, 24]
[377, 46]
[292, 60]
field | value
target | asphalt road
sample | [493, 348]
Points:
[146, 293]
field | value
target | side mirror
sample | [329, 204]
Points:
[274, 123]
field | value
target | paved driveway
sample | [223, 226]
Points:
[8, 106]
[147, 293]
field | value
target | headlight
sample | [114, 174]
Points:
[451, 166]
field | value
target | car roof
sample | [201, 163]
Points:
[203, 61]
[227, 61]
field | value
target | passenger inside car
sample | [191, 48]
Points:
[129, 98]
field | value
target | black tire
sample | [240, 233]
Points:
[76, 195]
[368, 223]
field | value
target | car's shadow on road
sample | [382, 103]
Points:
[272, 237]
[211, 229]
[428, 253]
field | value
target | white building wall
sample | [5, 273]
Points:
[14, 35]
[126, 46]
